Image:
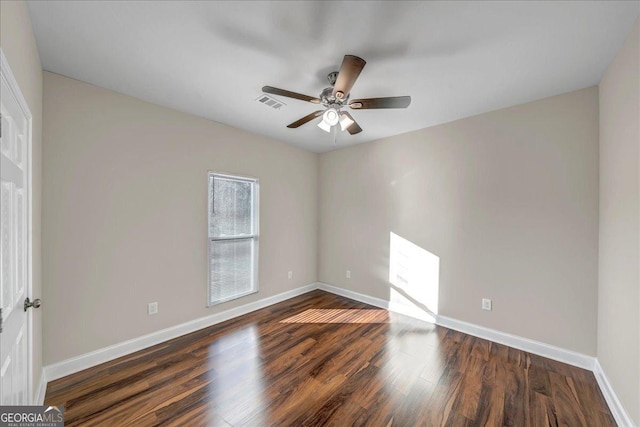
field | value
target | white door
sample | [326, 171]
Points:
[15, 137]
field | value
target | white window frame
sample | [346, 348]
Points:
[255, 209]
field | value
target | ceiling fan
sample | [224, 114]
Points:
[335, 97]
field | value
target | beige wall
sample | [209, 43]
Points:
[619, 275]
[19, 46]
[507, 200]
[125, 224]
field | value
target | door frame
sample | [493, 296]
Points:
[7, 75]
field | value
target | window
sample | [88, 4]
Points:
[233, 237]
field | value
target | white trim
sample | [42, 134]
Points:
[622, 417]
[88, 360]
[14, 87]
[535, 347]
[38, 398]
[13, 84]
[376, 302]
[546, 350]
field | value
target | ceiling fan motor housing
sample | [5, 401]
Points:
[329, 100]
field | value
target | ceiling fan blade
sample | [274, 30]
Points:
[371, 103]
[354, 128]
[289, 94]
[305, 119]
[349, 72]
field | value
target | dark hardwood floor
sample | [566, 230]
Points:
[320, 359]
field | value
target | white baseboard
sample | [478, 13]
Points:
[622, 417]
[42, 389]
[88, 360]
[531, 346]
[376, 302]
[535, 347]
[406, 309]
[525, 344]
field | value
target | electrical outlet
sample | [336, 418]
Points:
[486, 304]
[290, 275]
[152, 308]
[348, 274]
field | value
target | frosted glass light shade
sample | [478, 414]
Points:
[345, 122]
[325, 127]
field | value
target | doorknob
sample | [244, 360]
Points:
[35, 304]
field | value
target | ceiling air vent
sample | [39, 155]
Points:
[270, 102]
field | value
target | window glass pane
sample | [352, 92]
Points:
[233, 237]
[232, 208]
[231, 268]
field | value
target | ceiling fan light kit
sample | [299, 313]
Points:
[345, 122]
[324, 126]
[331, 116]
[335, 97]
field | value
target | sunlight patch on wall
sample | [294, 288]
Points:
[414, 275]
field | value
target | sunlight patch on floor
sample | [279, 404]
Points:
[339, 315]
[236, 392]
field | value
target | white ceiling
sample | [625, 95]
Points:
[211, 59]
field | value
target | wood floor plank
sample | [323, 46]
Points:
[491, 407]
[516, 403]
[543, 412]
[566, 401]
[468, 401]
[323, 360]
